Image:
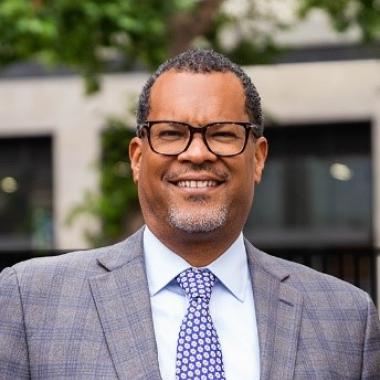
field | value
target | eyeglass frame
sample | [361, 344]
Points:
[248, 126]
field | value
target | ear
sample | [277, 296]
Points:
[261, 152]
[135, 155]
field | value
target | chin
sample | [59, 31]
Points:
[198, 221]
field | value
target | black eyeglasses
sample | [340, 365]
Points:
[222, 138]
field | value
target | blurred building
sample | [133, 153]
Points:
[321, 187]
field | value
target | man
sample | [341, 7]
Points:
[187, 297]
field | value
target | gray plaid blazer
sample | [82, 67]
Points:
[86, 315]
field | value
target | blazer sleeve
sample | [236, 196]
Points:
[14, 361]
[371, 349]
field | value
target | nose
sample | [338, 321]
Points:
[197, 152]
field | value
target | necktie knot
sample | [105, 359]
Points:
[197, 283]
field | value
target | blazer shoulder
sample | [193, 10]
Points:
[311, 283]
[80, 260]
[75, 266]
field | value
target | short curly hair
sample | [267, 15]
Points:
[204, 61]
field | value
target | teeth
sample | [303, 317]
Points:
[197, 184]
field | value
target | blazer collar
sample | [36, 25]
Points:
[122, 253]
[122, 300]
[278, 309]
[123, 306]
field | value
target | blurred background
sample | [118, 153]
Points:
[70, 74]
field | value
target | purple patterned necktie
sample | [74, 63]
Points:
[199, 355]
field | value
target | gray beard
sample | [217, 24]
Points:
[203, 220]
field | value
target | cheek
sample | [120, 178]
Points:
[246, 183]
[245, 172]
[148, 196]
[147, 177]
[150, 175]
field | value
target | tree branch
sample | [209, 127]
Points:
[184, 27]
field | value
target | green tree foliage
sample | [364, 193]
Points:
[115, 204]
[346, 13]
[85, 35]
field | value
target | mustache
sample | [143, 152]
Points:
[205, 168]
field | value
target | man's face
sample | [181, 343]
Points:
[196, 191]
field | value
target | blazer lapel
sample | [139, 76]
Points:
[123, 305]
[278, 313]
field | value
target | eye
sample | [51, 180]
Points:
[225, 132]
[223, 135]
[169, 132]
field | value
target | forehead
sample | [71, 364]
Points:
[199, 97]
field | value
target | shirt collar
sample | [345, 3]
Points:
[163, 265]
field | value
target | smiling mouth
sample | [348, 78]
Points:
[196, 184]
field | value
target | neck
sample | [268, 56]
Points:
[198, 249]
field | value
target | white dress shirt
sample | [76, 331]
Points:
[231, 306]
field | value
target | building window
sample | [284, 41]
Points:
[26, 210]
[316, 189]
